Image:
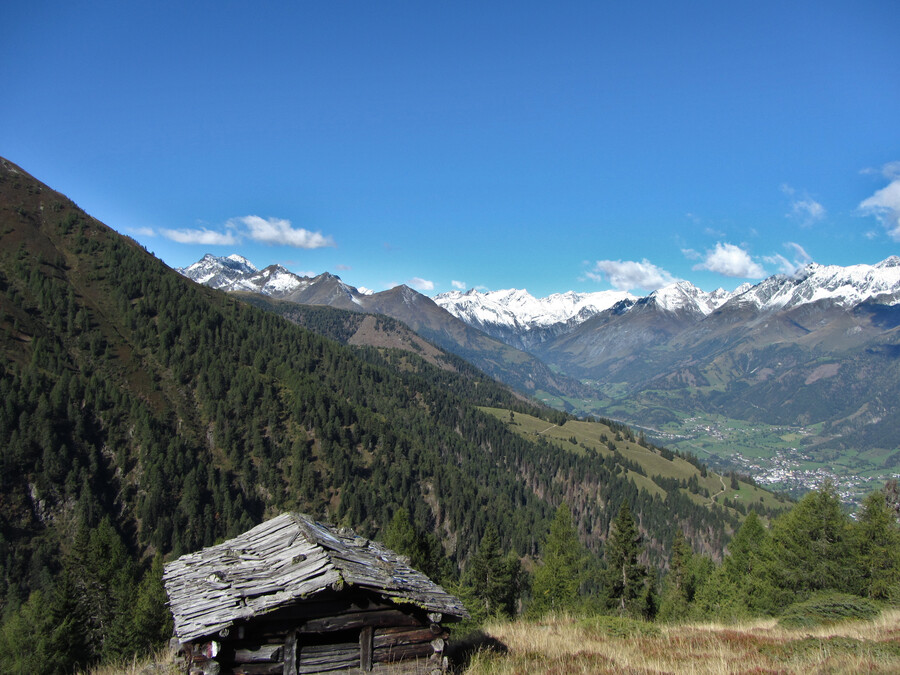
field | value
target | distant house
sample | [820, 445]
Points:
[293, 596]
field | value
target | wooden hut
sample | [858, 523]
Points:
[294, 596]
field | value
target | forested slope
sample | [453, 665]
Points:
[166, 416]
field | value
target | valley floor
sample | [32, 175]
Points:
[609, 645]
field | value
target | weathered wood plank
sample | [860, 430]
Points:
[321, 658]
[390, 617]
[366, 646]
[403, 637]
[402, 652]
[263, 653]
[259, 669]
[290, 654]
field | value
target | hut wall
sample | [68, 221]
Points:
[336, 635]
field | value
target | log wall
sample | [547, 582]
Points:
[361, 635]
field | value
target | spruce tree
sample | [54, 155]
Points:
[811, 546]
[678, 589]
[494, 578]
[558, 577]
[626, 577]
[877, 539]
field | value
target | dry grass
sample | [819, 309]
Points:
[565, 644]
[162, 663]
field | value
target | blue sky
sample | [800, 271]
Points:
[549, 146]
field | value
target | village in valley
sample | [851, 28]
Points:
[765, 454]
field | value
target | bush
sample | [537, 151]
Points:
[618, 626]
[827, 608]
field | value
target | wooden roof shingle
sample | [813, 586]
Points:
[283, 561]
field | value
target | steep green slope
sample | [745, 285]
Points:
[186, 415]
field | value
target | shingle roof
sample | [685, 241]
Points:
[285, 559]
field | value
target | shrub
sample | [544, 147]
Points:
[826, 608]
[618, 626]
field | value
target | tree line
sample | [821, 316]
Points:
[812, 550]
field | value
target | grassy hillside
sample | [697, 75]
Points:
[602, 439]
[611, 645]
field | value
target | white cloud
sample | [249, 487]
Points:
[625, 275]
[459, 285]
[204, 236]
[885, 205]
[731, 261]
[265, 230]
[690, 254]
[279, 231]
[421, 284]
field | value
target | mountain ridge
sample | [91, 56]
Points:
[507, 363]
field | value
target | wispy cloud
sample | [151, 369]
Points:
[885, 203]
[274, 231]
[788, 265]
[420, 284]
[626, 275]
[459, 285]
[142, 231]
[890, 171]
[202, 236]
[731, 261]
[804, 208]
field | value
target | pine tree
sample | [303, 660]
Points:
[494, 578]
[152, 620]
[559, 576]
[678, 589]
[877, 539]
[625, 576]
[401, 537]
[810, 545]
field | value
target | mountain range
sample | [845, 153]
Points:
[520, 370]
[814, 350]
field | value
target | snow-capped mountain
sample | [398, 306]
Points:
[219, 272]
[236, 273]
[521, 320]
[842, 286]
[518, 308]
[683, 296]
[518, 318]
